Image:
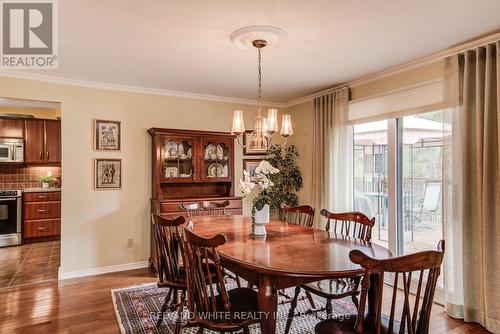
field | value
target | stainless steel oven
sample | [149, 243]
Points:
[10, 217]
[11, 150]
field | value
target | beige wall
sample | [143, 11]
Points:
[406, 78]
[302, 117]
[97, 224]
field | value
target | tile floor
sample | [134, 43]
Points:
[29, 263]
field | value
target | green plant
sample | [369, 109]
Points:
[286, 183]
[45, 179]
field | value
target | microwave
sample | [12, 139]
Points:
[11, 150]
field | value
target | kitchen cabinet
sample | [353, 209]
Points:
[52, 141]
[41, 216]
[34, 142]
[43, 141]
[11, 128]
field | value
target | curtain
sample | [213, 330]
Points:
[479, 119]
[333, 156]
[452, 192]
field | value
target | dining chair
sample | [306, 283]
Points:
[414, 308]
[216, 208]
[209, 208]
[299, 215]
[171, 273]
[348, 224]
[212, 306]
[167, 235]
[205, 208]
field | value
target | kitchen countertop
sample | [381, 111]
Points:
[41, 190]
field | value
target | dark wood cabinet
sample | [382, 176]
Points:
[41, 216]
[12, 128]
[43, 141]
[34, 136]
[52, 141]
[191, 166]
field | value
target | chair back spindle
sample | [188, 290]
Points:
[216, 208]
[206, 292]
[351, 224]
[205, 208]
[299, 215]
[410, 314]
[167, 236]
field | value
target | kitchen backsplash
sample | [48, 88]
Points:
[22, 177]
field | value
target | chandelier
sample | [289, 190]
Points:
[265, 127]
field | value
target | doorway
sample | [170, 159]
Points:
[30, 191]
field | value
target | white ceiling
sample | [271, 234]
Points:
[184, 45]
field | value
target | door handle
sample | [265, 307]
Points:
[42, 228]
[41, 155]
[41, 196]
[47, 155]
[43, 211]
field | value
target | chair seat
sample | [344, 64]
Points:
[334, 288]
[346, 325]
[242, 300]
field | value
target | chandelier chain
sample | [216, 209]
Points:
[259, 87]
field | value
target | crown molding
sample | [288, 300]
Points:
[312, 96]
[133, 89]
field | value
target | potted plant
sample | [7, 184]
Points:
[286, 183]
[260, 207]
[45, 181]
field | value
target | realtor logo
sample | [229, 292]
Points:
[29, 34]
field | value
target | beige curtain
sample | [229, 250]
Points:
[452, 192]
[479, 78]
[332, 164]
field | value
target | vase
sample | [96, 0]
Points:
[45, 185]
[261, 218]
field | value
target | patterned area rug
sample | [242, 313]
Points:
[136, 308]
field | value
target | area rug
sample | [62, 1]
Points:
[136, 308]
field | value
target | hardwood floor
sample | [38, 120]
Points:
[83, 305]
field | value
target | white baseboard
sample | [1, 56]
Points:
[102, 270]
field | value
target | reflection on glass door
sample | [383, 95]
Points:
[370, 176]
[421, 224]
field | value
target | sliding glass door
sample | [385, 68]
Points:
[398, 180]
[371, 176]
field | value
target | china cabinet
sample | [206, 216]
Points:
[191, 166]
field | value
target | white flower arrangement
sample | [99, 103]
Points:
[248, 183]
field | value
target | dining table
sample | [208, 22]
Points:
[289, 255]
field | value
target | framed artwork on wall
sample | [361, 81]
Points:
[107, 174]
[107, 135]
[250, 165]
[247, 136]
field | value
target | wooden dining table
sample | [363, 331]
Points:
[289, 255]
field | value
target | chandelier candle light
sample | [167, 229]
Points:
[264, 128]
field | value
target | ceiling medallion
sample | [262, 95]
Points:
[259, 37]
[243, 38]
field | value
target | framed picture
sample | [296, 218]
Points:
[250, 165]
[247, 136]
[108, 174]
[107, 135]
